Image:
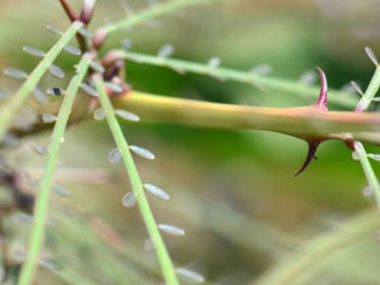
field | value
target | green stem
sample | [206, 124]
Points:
[153, 12]
[10, 109]
[371, 91]
[42, 202]
[275, 84]
[137, 186]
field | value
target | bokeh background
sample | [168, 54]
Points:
[247, 218]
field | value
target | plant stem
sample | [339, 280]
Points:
[291, 121]
[137, 186]
[42, 202]
[275, 84]
[10, 109]
[153, 12]
[370, 93]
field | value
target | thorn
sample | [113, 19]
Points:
[322, 100]
[69, 11]
[87, 11]
[313, 145]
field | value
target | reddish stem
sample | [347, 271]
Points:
[70, 13]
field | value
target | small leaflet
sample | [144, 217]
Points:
[355, 155]
[262, 69]
[374, 156]
[55, 91]
[41, 150]
[214, 62]
[99, 114]
[114, 156]
[190, 275]
[114, 87]
[357, 88]
[86, 33]
[166, 51]
[48, 118]
[33, 51]
[60, 190]
[15, 73]
[56, 71]
[157, 191]
[126, 115]
[40, 96]
[88, 89]
[129, 200]
[126, 44]
[371, 55]
[72, 50]
[4, 94]
[171, 230]
[54, 30]
[144, 153]
[97, 67]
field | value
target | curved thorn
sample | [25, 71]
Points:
[309, 157]
[322, 100]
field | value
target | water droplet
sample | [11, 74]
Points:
[41, 150]
[127, 115]
[86, 33]
[48, 118]
[126, 44]
[214, 62]
[374, 156]
[15, 73]
[114, 87]
[367, 191]
[171, 230]
[55, 91]
[72, 50]
[54, 30]
[56, 71]
[308, 77]
[166, 51]
[33, 51]
[129, 200]
[357, 88]
[97, 67]
[40, 96]
[99, 114]
[4, 94]
[157, 191]
[114, 156]
[142, 152]
[262, 69]
[88, 89]
[371, 55]
[60, 190]
[355, 155]
[190, 275]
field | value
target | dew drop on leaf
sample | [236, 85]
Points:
[166, 51]
[33, 51]
[114, 156]
[40, 96]
[157, 191]
[367, 191]
[262, 69]
[56, 71]
[129, 200]
[48, 118]
[15, 73]
[85, 33]
[190, 275]
[214, 62]
[97, 67]
[126, 115]
[54, 30]
[171, 230]
[99, 114]
[114, 87]
[88, 89]
[55, 91]
[144, 153]
[72, 50]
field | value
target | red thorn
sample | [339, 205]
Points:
[69, 11]
[322, 100]
[313, 145]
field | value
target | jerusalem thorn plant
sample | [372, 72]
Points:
[99, 90]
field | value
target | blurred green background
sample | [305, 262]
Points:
[233, 191]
